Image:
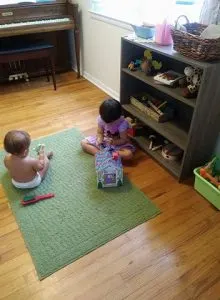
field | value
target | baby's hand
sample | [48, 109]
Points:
[42, 153]
[41, 164]
[42, 149]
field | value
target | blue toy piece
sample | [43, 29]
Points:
[108, 168]
[134, 65]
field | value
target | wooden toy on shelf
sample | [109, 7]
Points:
[135, 127]
[132, 124]
[155, 142]
[134, 65]
[171, 152]
[146, 66]
[149, 65]
[159, 110]
[109, 168]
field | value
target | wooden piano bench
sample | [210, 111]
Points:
[30, 51]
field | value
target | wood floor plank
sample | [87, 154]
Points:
[173, 256]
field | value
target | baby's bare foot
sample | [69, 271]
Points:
[50, 154]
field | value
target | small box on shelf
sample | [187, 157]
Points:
[158, 110]
[169, 78]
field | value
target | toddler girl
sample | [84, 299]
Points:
[112, 130]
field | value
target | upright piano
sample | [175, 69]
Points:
[50, 19]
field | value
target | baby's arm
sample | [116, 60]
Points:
[38, 164]
[6, 159]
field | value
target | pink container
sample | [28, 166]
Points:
[163, 34]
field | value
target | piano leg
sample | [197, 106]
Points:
[52, 66]
[47, 70]
[77, 50]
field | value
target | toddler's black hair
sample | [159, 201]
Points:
[110, 110]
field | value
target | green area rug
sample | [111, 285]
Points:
[80, 218]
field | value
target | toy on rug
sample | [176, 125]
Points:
[109, 168]
[193, 79]
[33, 199]
[211, 172]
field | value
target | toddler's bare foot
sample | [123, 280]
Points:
[50, 154]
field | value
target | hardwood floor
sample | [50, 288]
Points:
[173, 256]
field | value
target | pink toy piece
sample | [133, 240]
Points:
[115, 155]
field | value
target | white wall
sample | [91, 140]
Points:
[100, 51]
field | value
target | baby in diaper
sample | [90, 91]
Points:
[26, 172]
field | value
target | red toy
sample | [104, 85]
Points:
[115, 155]
[206, 175]
[33, 199]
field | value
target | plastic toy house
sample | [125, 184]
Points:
[109, 169]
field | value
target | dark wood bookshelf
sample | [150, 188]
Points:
[198, 135]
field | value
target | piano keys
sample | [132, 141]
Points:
[27, 27]
[41, 17]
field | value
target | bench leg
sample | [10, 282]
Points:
[53, 72]
[47, 69]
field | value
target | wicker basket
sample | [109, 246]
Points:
[192, 45]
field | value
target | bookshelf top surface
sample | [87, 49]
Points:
[168, 51]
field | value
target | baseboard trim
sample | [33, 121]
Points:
[101, 85]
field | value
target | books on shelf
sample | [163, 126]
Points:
[169, 77]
